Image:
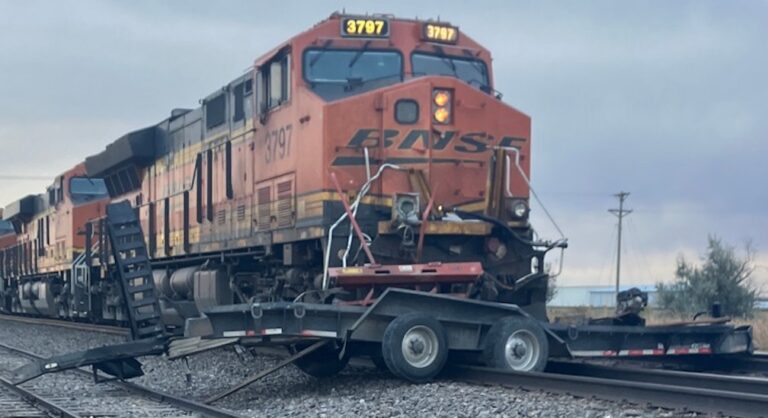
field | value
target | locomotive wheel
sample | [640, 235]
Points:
[323, 362]
[516, 343]
[414, 347]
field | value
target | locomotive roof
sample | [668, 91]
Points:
[141, 146]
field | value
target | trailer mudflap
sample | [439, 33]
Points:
[117, 360]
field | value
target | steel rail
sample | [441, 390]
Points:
[665, 395]
[738, 384]
[81, 326]
[752, 364]
[182, 403]
[39, 401]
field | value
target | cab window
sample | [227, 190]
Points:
[334, 74]
[6, 227]
[83, 189]
[274, 82]
[472, 71]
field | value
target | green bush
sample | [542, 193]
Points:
[723, 277]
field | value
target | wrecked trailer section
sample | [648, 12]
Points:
[410, 332]
[465, 326]
[360, 330]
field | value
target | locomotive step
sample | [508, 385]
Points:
[146, 287]
[128, 230]
[130, 261]
[138, 273]
[139, 303]
[133, 245]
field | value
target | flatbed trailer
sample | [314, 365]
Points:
[414, 333]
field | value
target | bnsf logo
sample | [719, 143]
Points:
[470, 142]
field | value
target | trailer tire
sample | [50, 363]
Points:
[516, 343]
[324, 362]
[415, 347]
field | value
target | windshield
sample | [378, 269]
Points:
[334, 74]
[83, 189]
[471, 71]
[6, 227]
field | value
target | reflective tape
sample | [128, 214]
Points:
[318, 333]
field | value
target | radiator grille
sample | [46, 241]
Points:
[264, 212]
[285, 203]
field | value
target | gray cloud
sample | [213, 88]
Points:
[664, 99]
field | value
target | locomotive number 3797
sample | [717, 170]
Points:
[278, 143]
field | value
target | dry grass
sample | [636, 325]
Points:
[653, 316]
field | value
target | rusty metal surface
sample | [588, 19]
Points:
[406, 274]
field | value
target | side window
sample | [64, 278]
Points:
[228, 170]
[242, 98]
[51, 196]
[199, 187]
[215, 111]
[275, 82]
[209, 186]
[56, 192]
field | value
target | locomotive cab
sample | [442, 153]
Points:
[414, 100]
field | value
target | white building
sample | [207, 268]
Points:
[595, 296]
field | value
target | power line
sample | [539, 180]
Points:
[620, 213]
[17, 177]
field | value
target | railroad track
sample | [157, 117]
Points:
[20, 402]
[145, 401]
[700, 392]
[81, 326]
[757, 363]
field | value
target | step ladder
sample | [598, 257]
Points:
[134, 271]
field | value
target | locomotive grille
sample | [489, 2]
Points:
[285, 204]
[263, 199]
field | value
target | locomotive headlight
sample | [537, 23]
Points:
[518, 209]
[441, 98]
[441, 106]
[442, 114]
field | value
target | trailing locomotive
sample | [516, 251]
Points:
[243, 197]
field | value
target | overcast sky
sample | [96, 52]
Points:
[666, 100]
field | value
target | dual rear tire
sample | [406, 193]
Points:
[414, 347]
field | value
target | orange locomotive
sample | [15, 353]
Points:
[41, 254]
[244, 198]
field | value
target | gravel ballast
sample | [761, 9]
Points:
[357, 391]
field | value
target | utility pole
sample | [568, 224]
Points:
[620, 213]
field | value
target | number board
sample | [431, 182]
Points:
[363, 27]
[438, 32]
